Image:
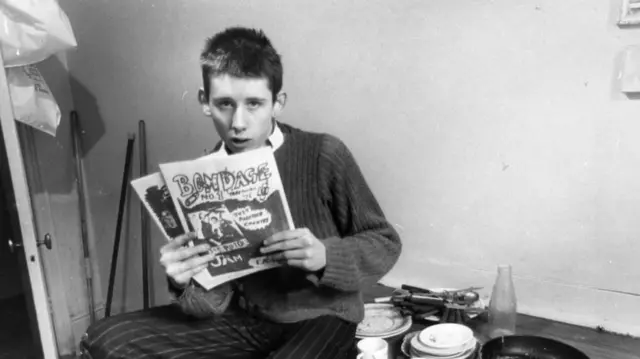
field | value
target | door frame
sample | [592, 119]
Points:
[26, 219]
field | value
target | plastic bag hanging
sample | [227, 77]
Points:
[33, 30]
[33, 103]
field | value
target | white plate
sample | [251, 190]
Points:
[421, 350]
[411, 352]
[406, 342]
[446, 336]
[382, 321]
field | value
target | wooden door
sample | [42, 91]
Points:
[28, 236]
[49, 170]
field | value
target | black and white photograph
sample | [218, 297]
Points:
[298, 179]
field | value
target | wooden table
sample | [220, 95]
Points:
[595, 344]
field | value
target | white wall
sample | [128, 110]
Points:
[490, 131]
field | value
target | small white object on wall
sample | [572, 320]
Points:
[630, 71]
[629, 13]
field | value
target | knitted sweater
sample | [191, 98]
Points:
[327, 194]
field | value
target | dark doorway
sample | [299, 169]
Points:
[18, 331]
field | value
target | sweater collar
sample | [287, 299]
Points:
[275, 140]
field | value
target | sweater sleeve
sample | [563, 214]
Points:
[200, 303]
[368, 245]
[174, 290]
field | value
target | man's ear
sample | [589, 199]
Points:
[281, 100]
[204, 101]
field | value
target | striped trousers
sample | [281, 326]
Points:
[166, 333]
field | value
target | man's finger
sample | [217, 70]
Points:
[198, 261]
[298, 263]
[181, 254]
[182, 240]
[180, 268]
[285, 235]
[178, 242]
[285, 245]
[184, 277]
[178, 257]
[189, 252]
[292, 254]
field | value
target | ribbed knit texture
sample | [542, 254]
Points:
[200, 303]
[327, 194]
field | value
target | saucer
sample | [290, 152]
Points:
[382, 321]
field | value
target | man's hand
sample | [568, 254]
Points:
[297, 248]
[180, 262]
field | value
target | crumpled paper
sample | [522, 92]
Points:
[33, 102]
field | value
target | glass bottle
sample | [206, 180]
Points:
[503, 305]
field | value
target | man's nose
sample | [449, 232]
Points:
[239, 120]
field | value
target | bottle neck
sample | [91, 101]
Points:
[504, 269]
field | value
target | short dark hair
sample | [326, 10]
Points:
[241, 52]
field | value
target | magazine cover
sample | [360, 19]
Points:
[154, 194]
[233, 203]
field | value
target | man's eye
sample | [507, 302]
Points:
[254, 104]
[225, 104]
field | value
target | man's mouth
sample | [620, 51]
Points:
[238, 141]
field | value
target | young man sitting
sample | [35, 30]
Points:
[309, 307]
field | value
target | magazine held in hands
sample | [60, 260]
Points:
[231, 202]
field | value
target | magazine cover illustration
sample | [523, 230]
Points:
[233, 203]
[154, 194]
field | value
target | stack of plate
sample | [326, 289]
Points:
[382, 321]
[441, 341]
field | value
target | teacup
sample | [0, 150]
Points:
[373, 348]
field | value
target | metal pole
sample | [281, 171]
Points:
[77, 149]
[144, 227]
[116, 243]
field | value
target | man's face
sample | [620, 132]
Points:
[242, 110]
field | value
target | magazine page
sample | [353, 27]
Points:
[154, 194]
[233, 203]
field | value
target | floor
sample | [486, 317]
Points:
[15, 333]
[594, 343]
